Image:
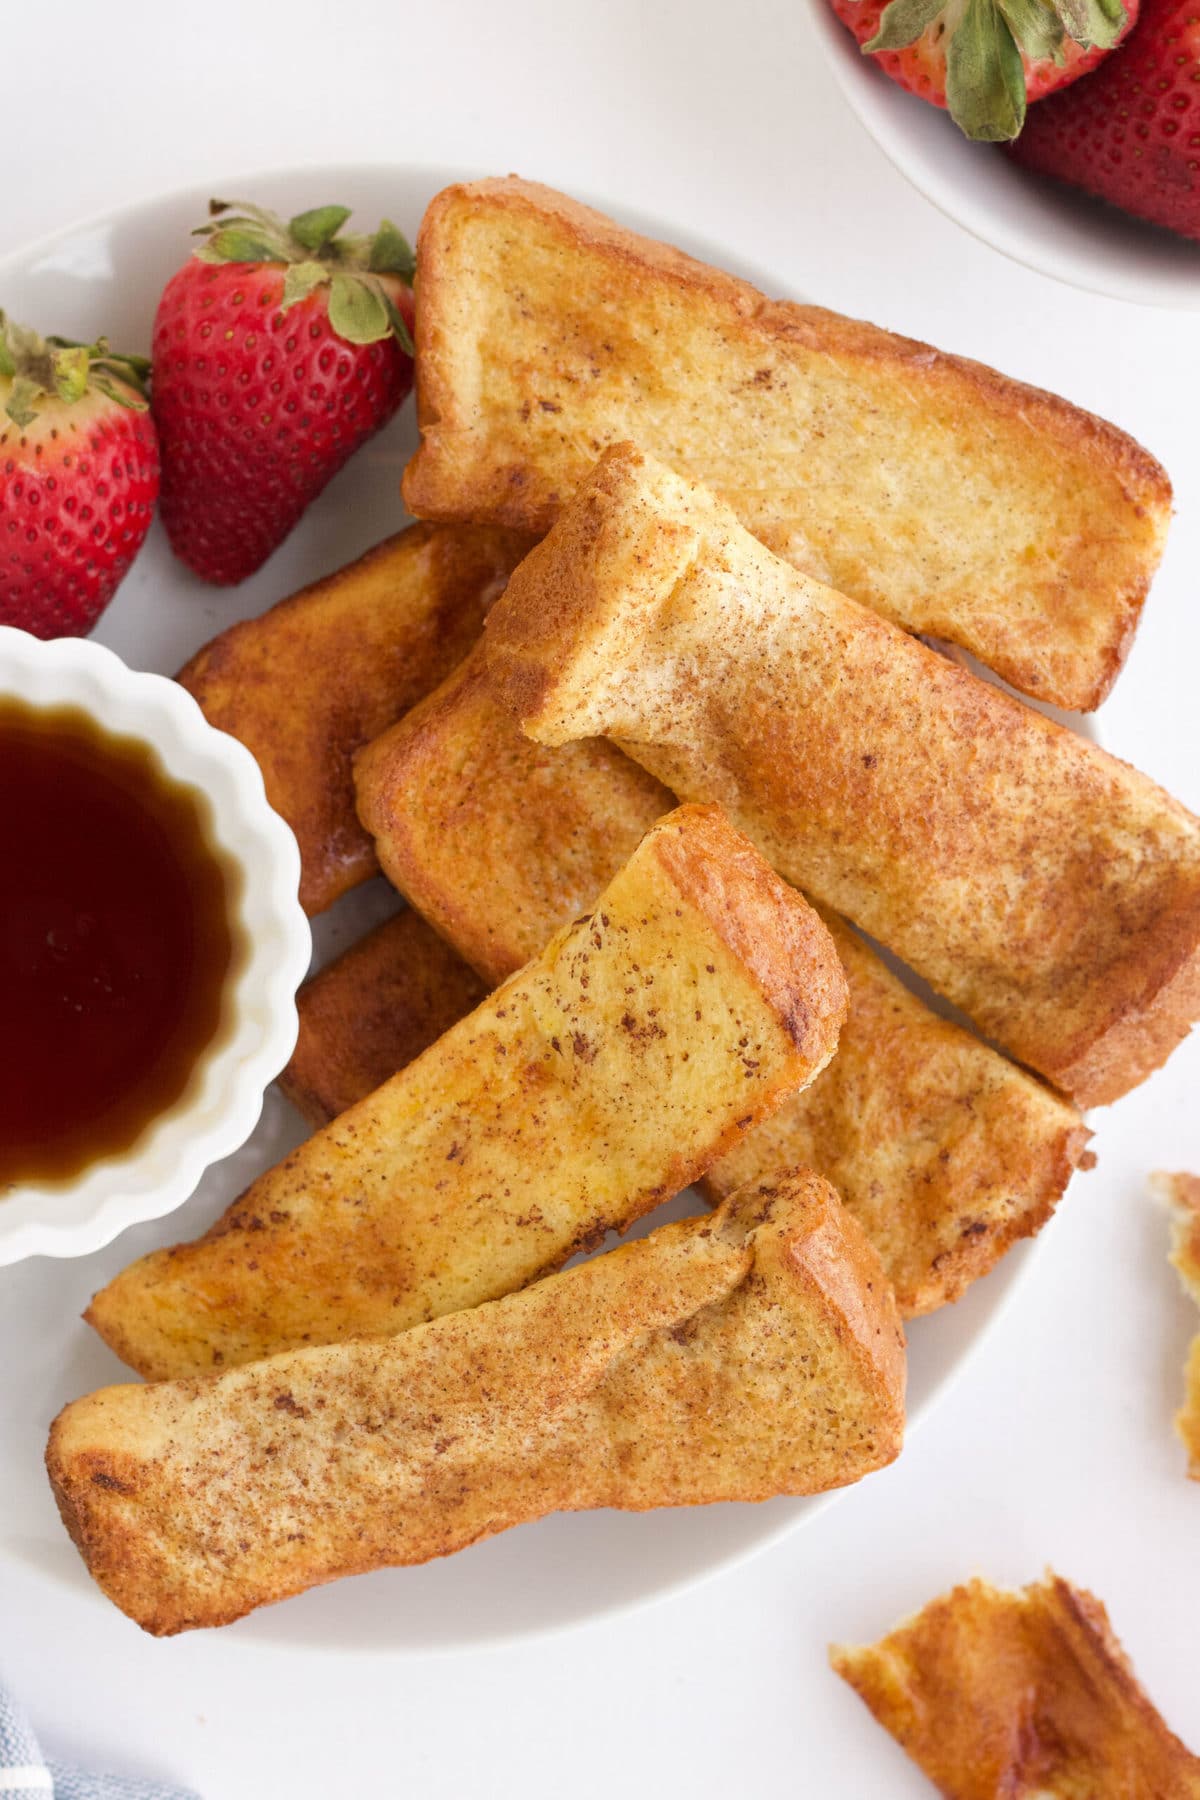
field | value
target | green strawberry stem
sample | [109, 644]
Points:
[40, 368]
[986, 44]
[362, 310]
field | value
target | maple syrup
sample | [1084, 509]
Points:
[115, 940]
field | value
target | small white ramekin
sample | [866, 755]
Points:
[222, 1103]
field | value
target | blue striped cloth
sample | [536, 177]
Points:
[24, 1771]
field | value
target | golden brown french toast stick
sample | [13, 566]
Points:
[954, 501]
[311, 679]
[497, 840]
[372, 1011]
[944, 1151]
[994, 1693]
[750, 1353]
[600, 1079]
[1049, 890]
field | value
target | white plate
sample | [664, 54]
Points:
[1054, 229]
[105, 276]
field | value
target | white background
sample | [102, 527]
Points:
[1055, 1446]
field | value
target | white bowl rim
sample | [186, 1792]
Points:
[1082, 242]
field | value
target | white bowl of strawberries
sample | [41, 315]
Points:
[1100, 186]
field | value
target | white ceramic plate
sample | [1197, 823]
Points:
[105, 276]
[1053, 229]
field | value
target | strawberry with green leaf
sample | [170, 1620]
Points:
[986, 60]
[78, 478]
[1131, 135]
[278, 350]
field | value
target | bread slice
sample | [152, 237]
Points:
[372, 1011]
[952, 500]
[1047, 889]
[322, 672]
[946, 1153]
[497, 840]
[753, 1353]
[1182, 1194]
[943, 1150]
[1029, 1693]
[599, 1080]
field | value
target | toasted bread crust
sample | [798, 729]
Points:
[997, 1693]
[324, 671]
[373, 1010]
[1182, 1193]
[1045, 887]
[955, 501]
[1143, 1033]
[751, 1354]
[596, 1082]
[943, 1150]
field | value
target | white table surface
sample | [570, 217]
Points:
[1055, 1446]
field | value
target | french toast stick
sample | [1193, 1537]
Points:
[1182, 1194]
[749, 1353]
[944, 1151]
[497, 840]
[372, 1011]
[312, 678]
[1028, 1693]
[1049, 890]
[956, 502]
[596, 1082]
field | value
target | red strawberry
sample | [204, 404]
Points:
[985, 59]
[1132, 133]
[278, 350]
[78, 478]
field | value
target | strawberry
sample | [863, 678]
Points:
[78, 478]
[278, 350]
[1132, 133]
[985, 60]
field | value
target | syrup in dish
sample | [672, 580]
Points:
[116, 941]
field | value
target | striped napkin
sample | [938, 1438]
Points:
[24, 1771]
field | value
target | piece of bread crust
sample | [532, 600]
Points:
[312, 678]
[599, 1080]
[1049, 890]
[371, 1011]
[944, 1151]
[1182, 1194]
[1030, 1693]
[956, 502]
[753, 1353]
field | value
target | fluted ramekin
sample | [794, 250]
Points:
[221, 1104]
